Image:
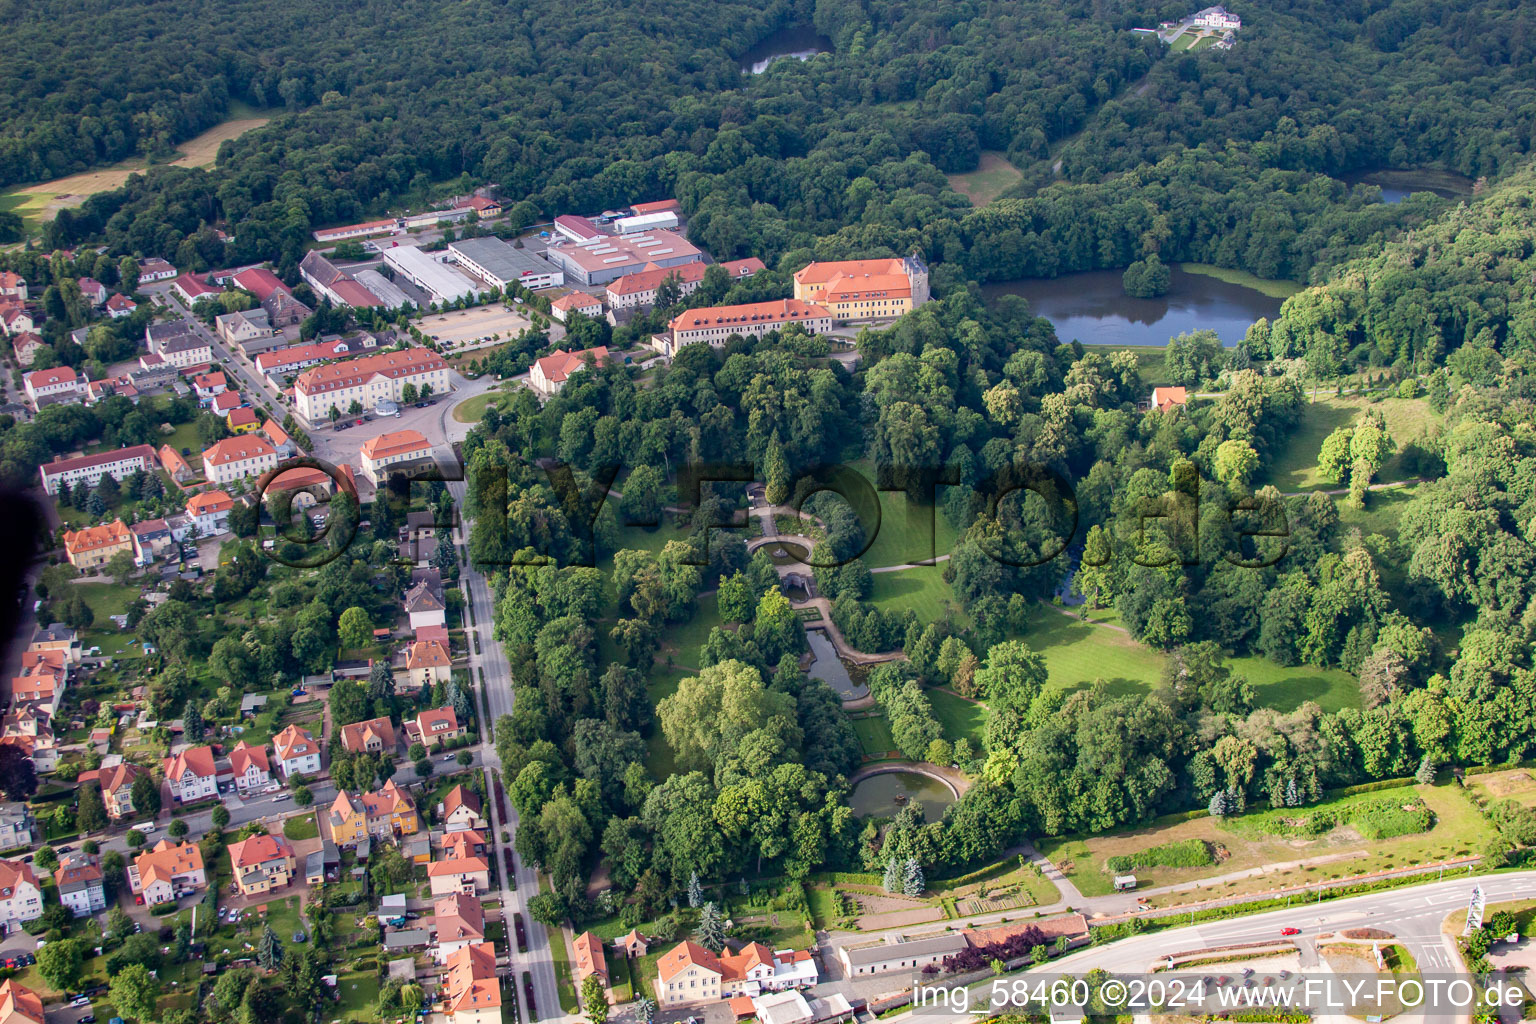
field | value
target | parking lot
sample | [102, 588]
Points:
[465, 328]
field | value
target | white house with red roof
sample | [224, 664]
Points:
[297, 752]
[576, 302]
[94, 291]
[209, 384]
[119, 306]
[209, 511]
[16, 318]
[21, 898]
[549, 374]
[87, 470]
[154, 269]
[13, 286]
[235, 458]
[260, 282]
[717, 324]
[393, 448]
[59, 384]
[470, 986]
[191, 775]
[251, 766]
[26, 345]
[434, 727]
[192, 289]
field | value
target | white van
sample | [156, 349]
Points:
[147, 827]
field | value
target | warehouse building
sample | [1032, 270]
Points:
[665, 220]
[441, 283]
[497, 263]
[386, 290]
[608, 258]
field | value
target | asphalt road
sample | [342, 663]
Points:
[251, 385]
[1413, 915]
[492, 662]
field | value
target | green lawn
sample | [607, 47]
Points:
[902, 539]
[1076, 653]
[1286, 689]
[960, 718]
[922, 589]
[303, 827]
[563, 982]
[359, 995]
[1274, 289]
[472, 410]
[106, 599]
[1295, 466]
[875, 737]
[1152, 360]
[659, 756]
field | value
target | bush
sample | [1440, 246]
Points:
[1186, 853]
[1382, 818]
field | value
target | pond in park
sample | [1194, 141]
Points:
[829, 668]
[1092, 307]
[1397, 185]
[802, 42]
[787, 553]
[884, 794]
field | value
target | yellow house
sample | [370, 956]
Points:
[386, 813]
[261, 864]
[428, 663]
[95, 545]
[242, 420]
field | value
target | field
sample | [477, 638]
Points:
[1076, 653]
[464, 327]
[1295, 468]
[900, 541]
[1458, 830]
[875, 737]
[992, 177]
[37, 203]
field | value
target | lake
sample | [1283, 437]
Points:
[829, 668]
[1399, 185]
[1092, 307]
[802, 42]
[884, 794]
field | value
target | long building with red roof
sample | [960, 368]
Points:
[718, 324]
[367, 380]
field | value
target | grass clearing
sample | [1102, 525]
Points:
[1288, 688]
[961, 718]
[875, 737]
[39, 202]
[1076, 653]
[472, 409]
[921, 589]
[302, 827]
[908, 533]
[993, 176]
[1515, 784]
[1295, 468]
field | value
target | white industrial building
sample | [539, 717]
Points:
[663, 221]
[438, 280]
[609, 257]
[497, 263]
[387, 291]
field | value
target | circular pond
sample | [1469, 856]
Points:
[787, 553]
[884, 794]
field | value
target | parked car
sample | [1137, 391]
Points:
[89, 1018]
[1290, 931]
[80, 1000]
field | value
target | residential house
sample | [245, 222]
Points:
[236, 458]
[57, 637]
[87, 470]
[81, 885]
[13, 286]
[691, 974]
[193, 289]
[191, 775]
[224, 403]
[178, 343]
[19, 1005]
[394, 448]
[119, 306]
[250, 765]
[242, 420]
[459, 845]
[549, 374]
[260, 282]
[590, 962]
[428, 663]
[60, 384]
[1164, 399]
[26, 345]
[280, 362]
[28, 728]
[434, 728]
[576, 302]
[468, 875]
[206, 385]
[151, 539]
[17, 826]
[94, 291]
[262, 863]
[21, 898]
[116, 787]
[471, 988]
[179, 468]
[386, 813]
[244, 325]
[329, 281]
[284, 311]
[159, 874]
[460, 810]
[376, 735]
[297, 752]
[631, 944]
[16, 319]
[425, 605]
[460, 922]
[43, 679]
[209, 511]
[279, 438]
[155, 269]
[94, 546]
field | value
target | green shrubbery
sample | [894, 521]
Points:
[1381, 818]
[1186, 853]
